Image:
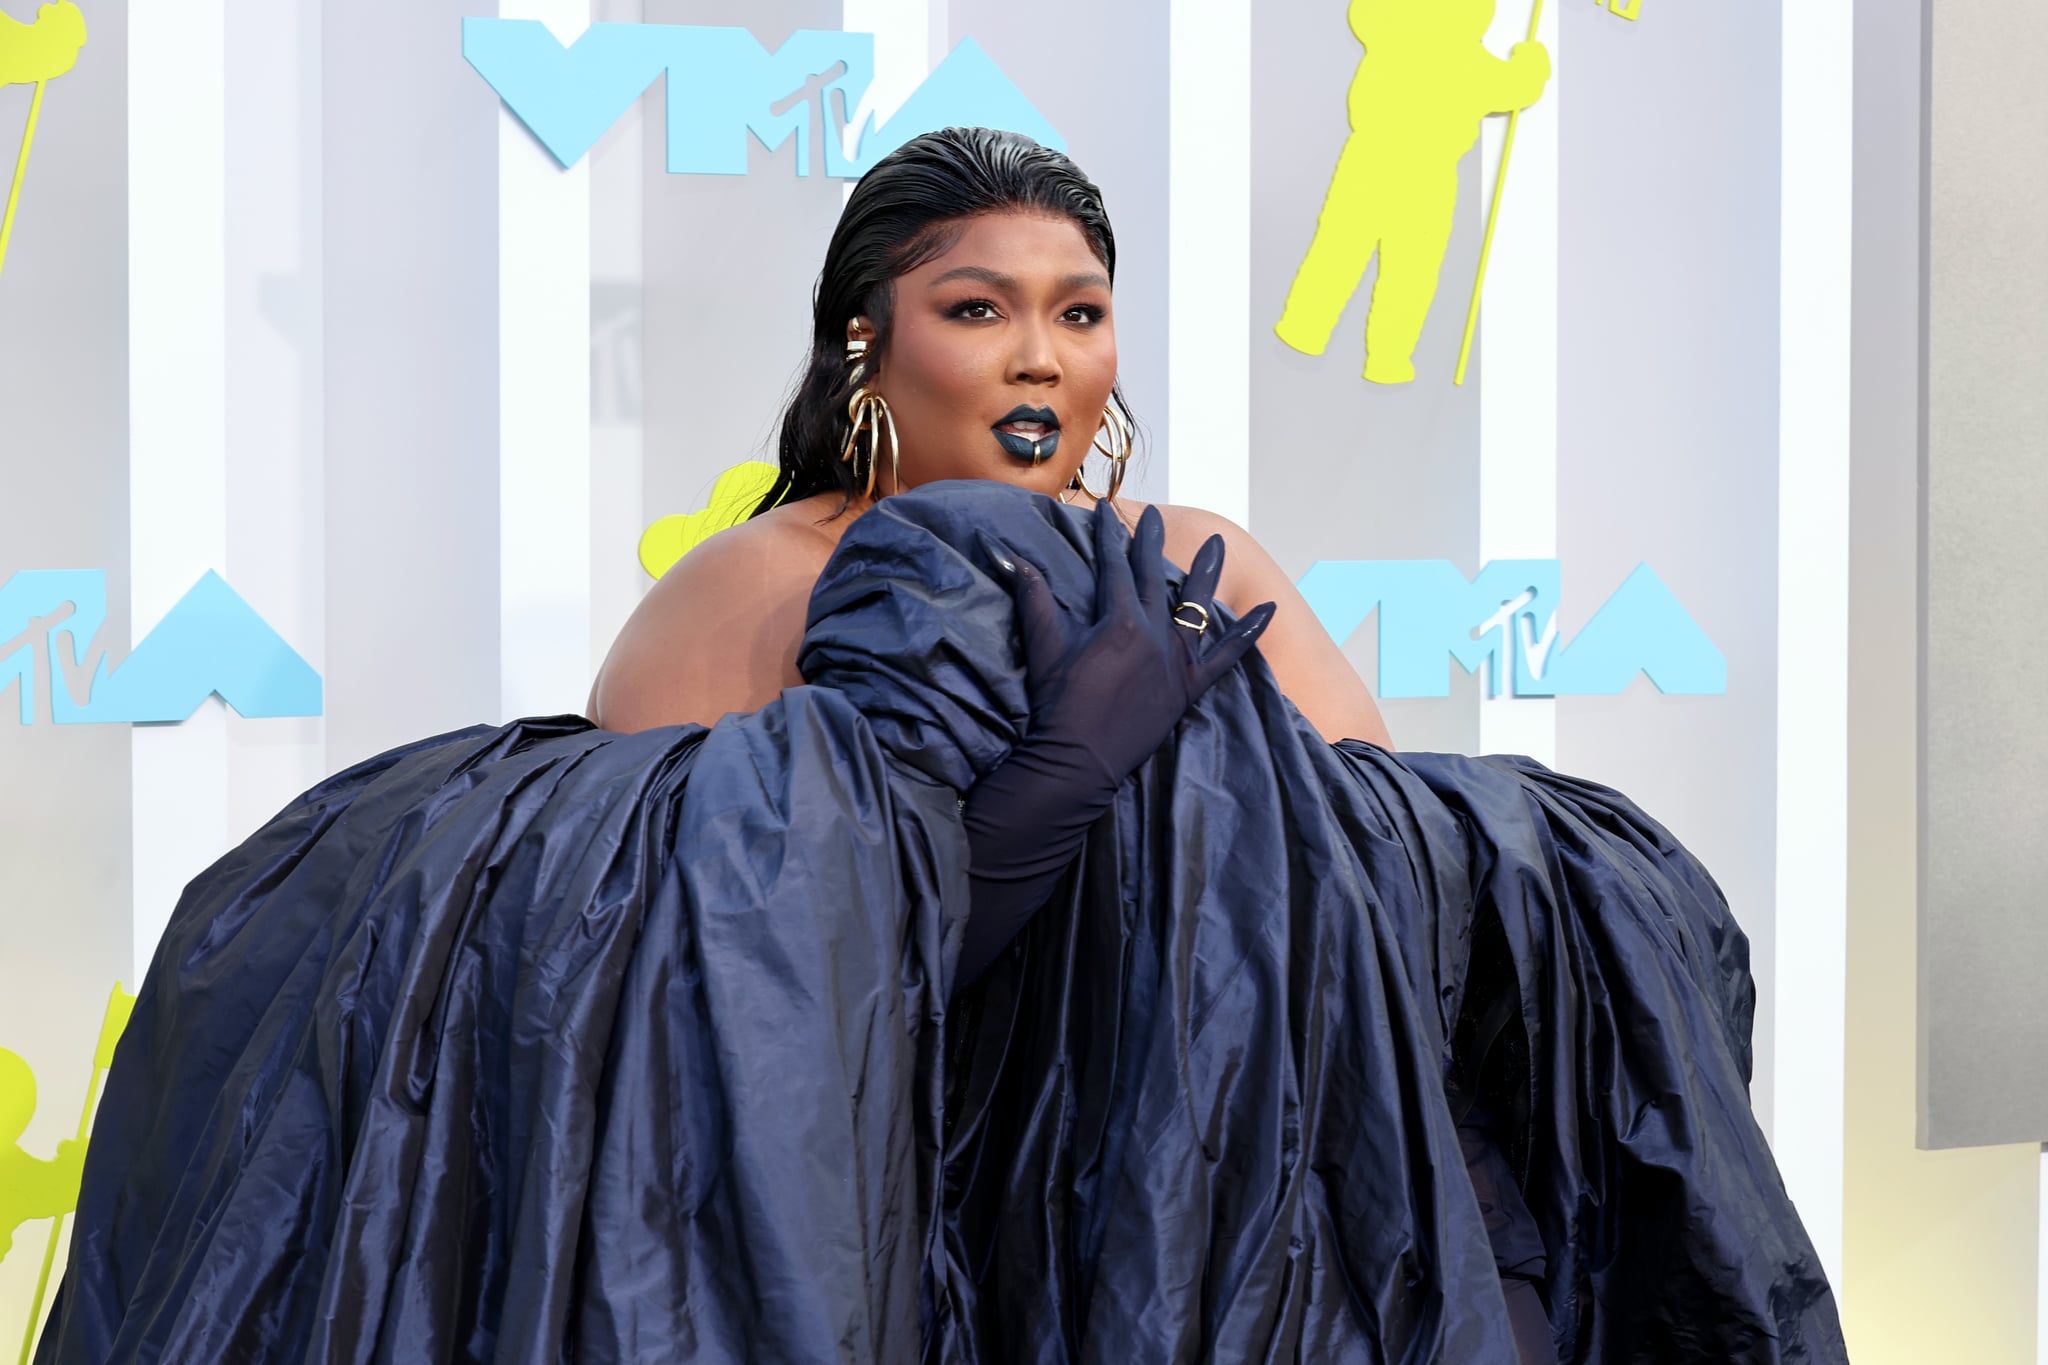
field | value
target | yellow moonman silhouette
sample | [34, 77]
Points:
[1415, 105]
[734, 495]
[42, 50]
[30, 1188]
[35, 54]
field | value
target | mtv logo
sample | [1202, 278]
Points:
[723, 85]
[1507, 619]
[212, 642]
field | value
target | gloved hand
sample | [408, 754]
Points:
[1104, 697]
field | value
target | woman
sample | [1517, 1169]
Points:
[990, 337]
[957, 943]
[966, 299]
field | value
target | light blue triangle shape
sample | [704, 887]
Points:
[967, 90]
[212, 641]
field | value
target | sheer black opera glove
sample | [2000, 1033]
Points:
[1104, 696]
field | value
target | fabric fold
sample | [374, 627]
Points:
[538, 1042]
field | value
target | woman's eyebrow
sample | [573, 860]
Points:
[996, 279]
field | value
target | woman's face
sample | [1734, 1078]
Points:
[1004, 341]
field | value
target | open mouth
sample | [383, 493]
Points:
[1029, 433]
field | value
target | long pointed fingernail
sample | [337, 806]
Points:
[1259, 617]
[995, 551]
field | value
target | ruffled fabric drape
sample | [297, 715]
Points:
[540, 1043]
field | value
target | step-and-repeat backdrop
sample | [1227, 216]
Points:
[361, 363]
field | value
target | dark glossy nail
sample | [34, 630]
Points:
[995, 551]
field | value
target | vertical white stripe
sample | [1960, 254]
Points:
[275, 317]
[1209, 246]
[909, 42]
[1517, 343]
[2041, 1271]
[1813, 614]
[904, 54]
[544, 472]
[177, 453]
[618, 425]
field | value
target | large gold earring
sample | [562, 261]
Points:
[1118, 450]
[869, 416]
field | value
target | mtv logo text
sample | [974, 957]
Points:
[723, 85]
[1507, 618]
[53, 650]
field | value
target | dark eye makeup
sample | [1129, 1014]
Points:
[983, 310]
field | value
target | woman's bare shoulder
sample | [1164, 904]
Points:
[1309, 666]
[719, 632]
[1176, 514]
[1246, 565]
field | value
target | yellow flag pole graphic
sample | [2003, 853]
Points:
[120, 1005]
[1500, 181]
[35, 54]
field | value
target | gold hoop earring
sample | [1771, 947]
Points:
[1118, 450]
[868, 415]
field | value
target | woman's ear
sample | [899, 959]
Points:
[861, 333]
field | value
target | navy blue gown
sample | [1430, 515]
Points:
[540, 1043]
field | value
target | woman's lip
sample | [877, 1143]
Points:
[1023, 412]
[1034, 449]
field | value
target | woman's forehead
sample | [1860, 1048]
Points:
[1023, 245]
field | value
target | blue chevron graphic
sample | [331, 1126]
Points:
[723, 85]
[1506, 618]
[211, 643]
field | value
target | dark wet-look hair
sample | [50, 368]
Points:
[909, 209]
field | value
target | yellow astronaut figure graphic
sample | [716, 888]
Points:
[1415, 106]
[44, 49]
[30, 1188]
[734, 495]
[35, 54]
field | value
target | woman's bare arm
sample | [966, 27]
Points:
[1306, 662]
[718, 634]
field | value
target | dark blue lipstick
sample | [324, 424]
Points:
[1038, 439]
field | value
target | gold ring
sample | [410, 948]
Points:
[1196, 626]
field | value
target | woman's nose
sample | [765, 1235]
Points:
[1036, 360]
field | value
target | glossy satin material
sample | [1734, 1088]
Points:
[541, 1043]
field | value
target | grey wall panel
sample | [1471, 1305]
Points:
[1984, 805]
[729, 266]
[275, 423]
[1668, 416]
[1343, 469]
[64, 808]
[410, 224]
[619, 175]
[1939, 1248]
[1109, 97]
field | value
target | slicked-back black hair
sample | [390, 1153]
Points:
[910, 208]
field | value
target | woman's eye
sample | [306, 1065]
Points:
[1087, 314]
[974, 310]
